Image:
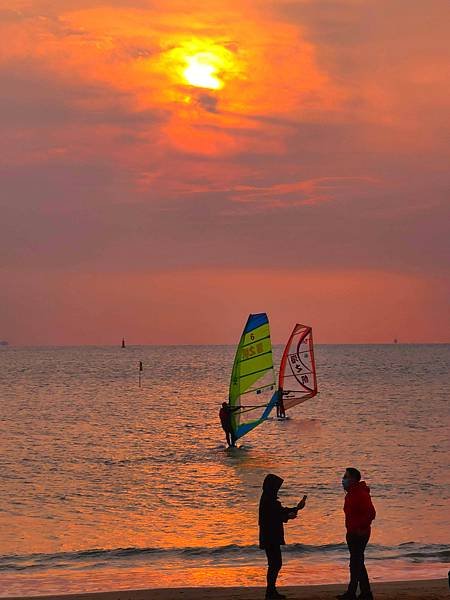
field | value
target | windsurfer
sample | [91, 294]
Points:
[281, 413]
[225, 414]
[272, 515]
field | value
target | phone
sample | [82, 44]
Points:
[302, 500]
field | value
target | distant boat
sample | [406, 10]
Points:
[395, 341]
[4, 343]
[123, 343]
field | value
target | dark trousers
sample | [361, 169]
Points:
[358, 574]
[274, 564]
[280, 410]
[229, 434]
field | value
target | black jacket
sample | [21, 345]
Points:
[272, 514]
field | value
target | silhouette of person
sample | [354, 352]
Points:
[272, 515]
[359, 514]
[281, 413]
[225, 413]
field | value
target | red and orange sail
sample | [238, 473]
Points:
[297, 378]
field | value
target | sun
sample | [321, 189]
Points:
[202, 63]
[202, 70]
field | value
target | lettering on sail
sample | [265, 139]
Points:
[253, 350]
[296, 363]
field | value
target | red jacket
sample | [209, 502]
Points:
[358, 508]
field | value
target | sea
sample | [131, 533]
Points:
[108, 485]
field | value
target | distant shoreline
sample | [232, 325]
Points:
[396, 590]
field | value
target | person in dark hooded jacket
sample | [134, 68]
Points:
[359, 514]
[272, 516]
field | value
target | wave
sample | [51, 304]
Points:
[229, 554]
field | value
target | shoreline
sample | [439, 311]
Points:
[432, 589]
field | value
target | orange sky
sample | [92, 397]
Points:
[288, 156]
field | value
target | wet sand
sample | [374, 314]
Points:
[436, 589]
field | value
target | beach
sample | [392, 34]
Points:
[435, 589]
[224, 324]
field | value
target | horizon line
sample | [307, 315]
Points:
[232, 345]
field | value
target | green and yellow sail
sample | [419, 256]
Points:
[252, 385]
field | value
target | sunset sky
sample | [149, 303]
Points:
[167, 167]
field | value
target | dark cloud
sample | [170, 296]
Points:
[208, 102]
[33, 96]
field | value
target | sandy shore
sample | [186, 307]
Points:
[436, 589]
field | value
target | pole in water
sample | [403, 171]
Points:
[140, 372]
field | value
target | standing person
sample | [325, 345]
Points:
[225, 413]
[272, 515]
[281, 413]
[359, 514]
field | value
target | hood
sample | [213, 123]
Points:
[360, 487]
[272, 484]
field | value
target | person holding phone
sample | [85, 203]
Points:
[272, 516]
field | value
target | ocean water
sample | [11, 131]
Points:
[105, 485]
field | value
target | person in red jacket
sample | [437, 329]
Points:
[359, 514]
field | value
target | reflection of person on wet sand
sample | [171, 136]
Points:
[272, 515]
[225, 414]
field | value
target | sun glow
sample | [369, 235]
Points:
[202, 63]
[202, 71]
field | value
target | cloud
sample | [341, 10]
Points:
[312, 191]
[392, 67]
[325, 150]
[10, 15]
[208, 102]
